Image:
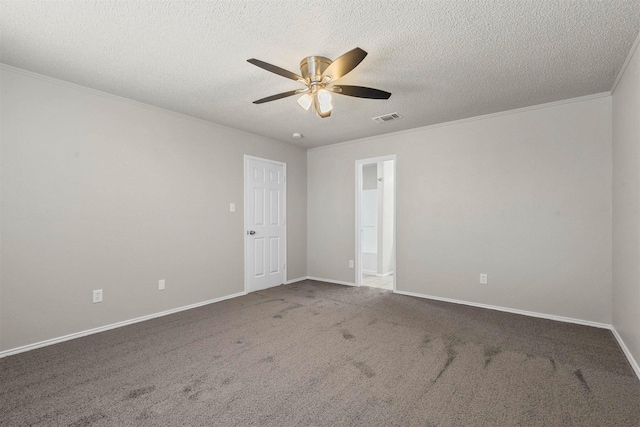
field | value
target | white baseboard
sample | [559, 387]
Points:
[626, 351]
[617, 336]
[75, 335]
[375, 273]
[64, 338]
[337, 282]
[299, 279]
[510, 310]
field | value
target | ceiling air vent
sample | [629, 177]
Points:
[387, 118]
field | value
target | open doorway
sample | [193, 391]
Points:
[376, 222]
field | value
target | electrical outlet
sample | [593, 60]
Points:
[97, 295]
[161, 285]
[350, 263]
[232, 207]
[484, 279]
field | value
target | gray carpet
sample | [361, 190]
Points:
[326, 355]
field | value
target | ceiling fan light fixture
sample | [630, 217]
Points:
[305, 101]
[324, 101]
[324, 97]
[318, 75]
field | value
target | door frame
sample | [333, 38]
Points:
[245, 264]
[358, 257]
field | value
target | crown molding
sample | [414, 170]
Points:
[634, 47]
[87, 89]
[469, 119]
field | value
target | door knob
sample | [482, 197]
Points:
[251, 232]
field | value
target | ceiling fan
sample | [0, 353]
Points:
[319, 74]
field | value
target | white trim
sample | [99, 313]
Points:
[337, 282]
[634, 47]
[75, 335]
[358, 237]
[262, 159]
[138, 103]
[358, 234]
[626, 351]
[469, 119]
[289, 144]
[69, 337]
[375, 273]
[244, 213]
[510, 310]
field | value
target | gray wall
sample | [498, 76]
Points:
[99, 192]
[626, 207]
[103, 193]
[524, 197]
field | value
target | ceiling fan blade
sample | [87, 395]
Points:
[278, 96]
[344, 64]
[361, 92]
[276, 70]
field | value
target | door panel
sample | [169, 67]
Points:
[258, 264]
[274, 205]
[275, 254]
[258, 200]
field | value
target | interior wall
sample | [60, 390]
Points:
[626, 207]
[524, 197]
[103, 193]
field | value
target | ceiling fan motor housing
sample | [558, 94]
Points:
[312, 67]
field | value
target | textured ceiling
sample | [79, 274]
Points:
[442, 60]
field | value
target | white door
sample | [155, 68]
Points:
[265, 229]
